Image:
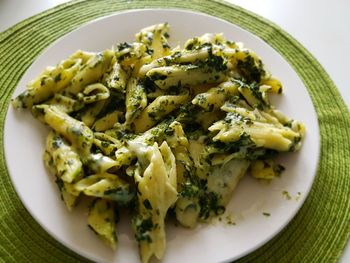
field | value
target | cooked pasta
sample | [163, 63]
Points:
[157, 129]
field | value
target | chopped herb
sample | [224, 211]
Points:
[124, 45]
[188, 190]
[158, 76]
[251, 69]
[105, 144]
[229, 220]
[209, 204]
[147, 204]
[43, 81]
[169, 131]
[57, 77]
[59, 184]
[298, 196]
[278, 169]
[142, 228]
[286, 195]
[57, 142]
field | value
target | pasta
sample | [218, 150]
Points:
[162, 131]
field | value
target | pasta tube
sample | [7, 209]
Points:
[90, 72]
[215, 97]
[186, 75]
[49, 82]
[69, 194]
[67, 162]
[107, 186]
[76, 132]
[102, 220]
[155, 38]
[157, 110]
[156, 188]
[136, 100]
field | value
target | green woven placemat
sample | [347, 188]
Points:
[321, 228]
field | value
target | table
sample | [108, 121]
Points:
[318, 26]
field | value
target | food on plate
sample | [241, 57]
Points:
[159, 129]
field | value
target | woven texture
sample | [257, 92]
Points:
[321, 228]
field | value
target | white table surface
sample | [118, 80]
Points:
[319, 25]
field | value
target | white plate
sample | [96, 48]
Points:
[24, 143]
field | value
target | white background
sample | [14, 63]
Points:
[319, 25]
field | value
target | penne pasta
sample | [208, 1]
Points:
[162, 132]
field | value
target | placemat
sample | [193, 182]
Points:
[321, 228]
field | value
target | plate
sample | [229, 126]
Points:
[259, 210]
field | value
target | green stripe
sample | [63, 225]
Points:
[321, 228]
